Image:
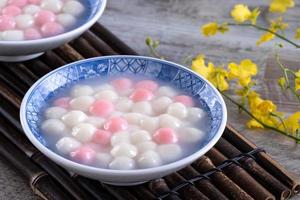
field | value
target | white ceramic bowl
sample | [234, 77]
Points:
[45, 88]
[14, 51]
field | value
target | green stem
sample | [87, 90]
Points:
[267, 30]
[153, 52]
[259, 121]
[280, 119]
[285, 70]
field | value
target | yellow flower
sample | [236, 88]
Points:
[216, 75]
[280, 6]
[297, 34]
[212, 28]
[297, 80]
[254, 14]
[292, 123]
[265, 37]
[243, 71]
[281, 82]
[253, 100]
[240, 13]
[252, 123]
[263, 110]
[276, 25]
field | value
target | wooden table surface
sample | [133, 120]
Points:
[176, 23]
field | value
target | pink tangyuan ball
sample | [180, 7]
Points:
[11, 11]
[147, 84]
[33, 34]
[63, 102]
[44, 16]
[52, 29]
[101, 108]
[165, 136]
[122, 84]
[141, 95]
[84, 154]
[102, 137]
[18, 3]
[7, 23]
[116, 124]
[184, 99]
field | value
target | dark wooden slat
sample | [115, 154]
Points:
[84, 48]
[112, 40]
[264, 159]
[260, 174]
[240, 177]
[98, 43]
[42, 184]
[205, 186]
[188, 192]
[224, 184]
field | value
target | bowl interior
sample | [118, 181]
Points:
[95, 9]
[47, 87]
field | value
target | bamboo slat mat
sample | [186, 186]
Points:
[234, 169]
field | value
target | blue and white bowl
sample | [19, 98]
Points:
[15, 51]
[44, 89]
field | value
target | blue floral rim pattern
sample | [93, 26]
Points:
[184, 79]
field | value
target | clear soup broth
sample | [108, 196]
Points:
[124, 123]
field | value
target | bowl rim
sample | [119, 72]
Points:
[67, 34]
[81, 167]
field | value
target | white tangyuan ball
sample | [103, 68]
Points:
[119, 138]
[102, 160]
[132, 128]
[133, 118]
[190, 135]
[123, 104]
[124, 149]
[161, 104]
[81, 90]
[195, 114]
[139, 136]
[166, 91]
[178, 110]
[24, 21]
[168, 121]
[116, 114]
[149, 159]
[96, 121]
[84, 132]
[74, 117]
[143, 107]
[73, 7]
[31, 9]
[109, 95]
[3, 3]
[66, 145]
[103, 87]
[146, 146]
[82, 103]
[66, 19]
[122, 163]
[55, 112]
[149, 123]
[12, 35]
[53, 127]
[169, 152]
[52, 5]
